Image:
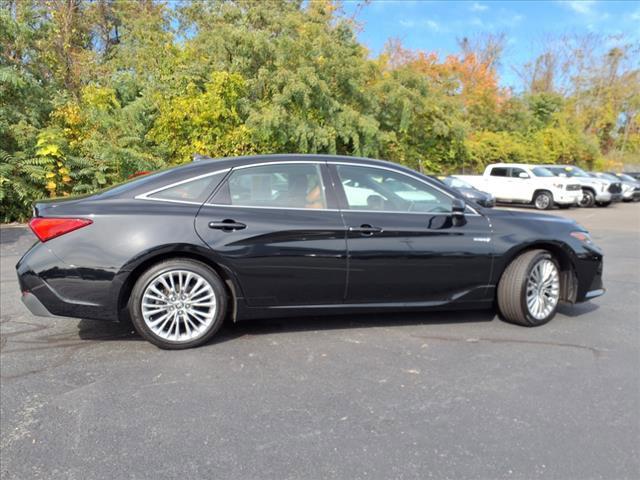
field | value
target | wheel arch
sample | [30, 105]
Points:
[563, 255]
[541, 190]
[129, 276]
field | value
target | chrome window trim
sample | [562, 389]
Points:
[145, 196]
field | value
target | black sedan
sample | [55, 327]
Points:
[468, 191]
[181, 250]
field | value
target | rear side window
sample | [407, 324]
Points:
[499, 172]
[276, 185]
[196, 190]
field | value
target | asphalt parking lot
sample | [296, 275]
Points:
[438, 395]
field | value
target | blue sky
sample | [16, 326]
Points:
[435, 25]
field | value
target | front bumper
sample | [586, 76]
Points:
[588, 269]
[604, 197]
[564, 197]
[631, 195]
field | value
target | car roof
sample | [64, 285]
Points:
[208, 165]
[517, 165]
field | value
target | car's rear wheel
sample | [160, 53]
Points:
[177, 304]
[543, 200]
[529, 290]
[588, 199]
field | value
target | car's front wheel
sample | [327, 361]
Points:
[177, 304]
[588, 199]
[529, 290]
[543, 200]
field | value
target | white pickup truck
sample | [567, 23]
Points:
[521, 183]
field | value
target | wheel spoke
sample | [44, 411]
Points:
[165, 296]
[543, 289]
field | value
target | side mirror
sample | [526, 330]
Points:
[523, 175]
[458, 206]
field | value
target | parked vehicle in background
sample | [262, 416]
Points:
[635, 175]
[529, 184]
[630, 187]
[288, 235]
[467, 190]
[595, 191]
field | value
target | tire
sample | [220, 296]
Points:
[198, 322]
[603, 204]
[588, 199]
[543, 200]
[514, 286]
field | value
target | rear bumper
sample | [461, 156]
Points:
[35, 306]
[43, 277]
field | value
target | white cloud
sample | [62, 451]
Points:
[478, 7]
[423, 23]
[583, 7]
[408, 23]
[432, 25]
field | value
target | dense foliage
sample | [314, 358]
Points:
[93, 91]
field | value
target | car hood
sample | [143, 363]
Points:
[523, 216]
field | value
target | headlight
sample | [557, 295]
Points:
[626, 187]
[584, 237]
[467, 195]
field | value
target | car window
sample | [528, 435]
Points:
[276, 185]
[499, 172]
[196, 190]
[370, 188]
[515, 172]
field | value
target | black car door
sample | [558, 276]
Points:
[403, 244]
[277, 228]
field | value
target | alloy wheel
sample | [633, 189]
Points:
[179, 305]
[542, 202]
[543, 289]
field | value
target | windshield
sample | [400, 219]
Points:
[606, 176]
[542, 172]
[568, 171]
[457, 183]
[625, 177]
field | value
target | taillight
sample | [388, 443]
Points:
[48, 228]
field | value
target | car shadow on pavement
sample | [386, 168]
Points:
[97, 330]
[578, 309]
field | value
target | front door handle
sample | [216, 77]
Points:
[227, 225]
[365, 229]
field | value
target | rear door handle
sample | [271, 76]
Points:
[227, 225]
[365, 229]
